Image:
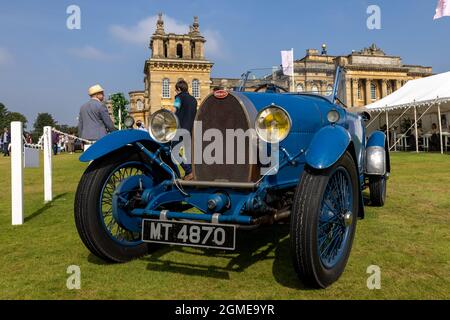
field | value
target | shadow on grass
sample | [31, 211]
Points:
[42, 210]
[267, 243]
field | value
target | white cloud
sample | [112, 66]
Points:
[140, 34]
[5, 57]
[90, 53]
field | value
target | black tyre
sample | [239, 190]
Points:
[323, 222]
[377, 189]
[98, 229]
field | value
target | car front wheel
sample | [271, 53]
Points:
[323, 222]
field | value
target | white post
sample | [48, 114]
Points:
[293, 71]
[48, 194]
[387, 129]
[417, 131]
[120, 119]
[17, 173]
[440, 128]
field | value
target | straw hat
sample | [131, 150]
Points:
[95, 89]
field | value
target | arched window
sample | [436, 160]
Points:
[315, 89]
[373, 91]
[329, 90]
[300, 88]
[139, 105]
[179, 50]
[166, 88]
[196, 88]
[165, 50]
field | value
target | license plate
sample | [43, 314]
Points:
[187, 234]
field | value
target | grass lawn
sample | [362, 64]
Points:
[409, 239]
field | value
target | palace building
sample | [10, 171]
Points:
[371, 74]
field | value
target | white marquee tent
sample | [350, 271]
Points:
[420, 97]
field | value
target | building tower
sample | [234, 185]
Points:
[175, 57]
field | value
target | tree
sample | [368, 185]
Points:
[42, 120]
[16, 116]
[3, 116]
[119, 104]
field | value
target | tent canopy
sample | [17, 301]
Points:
[421, 92]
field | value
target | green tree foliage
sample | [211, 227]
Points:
[119, 103]
[42, 120]
[6, 117]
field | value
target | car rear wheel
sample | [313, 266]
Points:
[377, 189]
[323, 222]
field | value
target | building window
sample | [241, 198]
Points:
[300, 88]
[166, 50]
[196, 88]
[315, 89]
[373, 91]
[329, 90]
[389, 87]
[139, 105]
[179, 50]
[360, 90]
[166, 88]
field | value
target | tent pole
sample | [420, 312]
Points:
[387, 128]
[440, 127]
[417, 131]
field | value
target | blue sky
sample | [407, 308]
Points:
[44, 67]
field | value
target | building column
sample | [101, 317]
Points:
[348, 89]
[384, 92]
[368, 95]
[355, 92]
[398, 84]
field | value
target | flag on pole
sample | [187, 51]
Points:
[287, 62]
[443, 9]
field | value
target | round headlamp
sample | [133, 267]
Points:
[129, 122]
[333, 116]
[163, 126]
[273, 124]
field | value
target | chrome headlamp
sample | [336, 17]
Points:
[273, 124]
[163, 126]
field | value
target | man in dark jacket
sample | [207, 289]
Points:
[6, 140]
[94, 121]
[186, 111]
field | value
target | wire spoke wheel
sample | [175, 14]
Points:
[333, 229]
[114, 229]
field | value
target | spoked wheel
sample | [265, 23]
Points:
[108, 190]
[323, 222]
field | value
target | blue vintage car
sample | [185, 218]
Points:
[132, 198]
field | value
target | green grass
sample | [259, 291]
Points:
[409, 239]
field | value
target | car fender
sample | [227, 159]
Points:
[113, 142]
[327, 147]
[377, 155]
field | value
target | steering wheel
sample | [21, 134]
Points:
[271, 88]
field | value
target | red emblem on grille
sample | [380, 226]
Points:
[221, 94]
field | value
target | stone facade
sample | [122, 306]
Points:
[370, 73]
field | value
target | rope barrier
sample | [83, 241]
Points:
[72, 136]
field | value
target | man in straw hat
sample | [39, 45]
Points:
[94, 122]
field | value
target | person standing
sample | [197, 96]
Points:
[186, 111]
[140, 126]
[70, 143]
[6, 140]
[94, 121]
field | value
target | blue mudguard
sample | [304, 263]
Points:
[327, 147]
[113, 142]
[377, 139]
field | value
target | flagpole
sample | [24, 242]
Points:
[293, 71]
